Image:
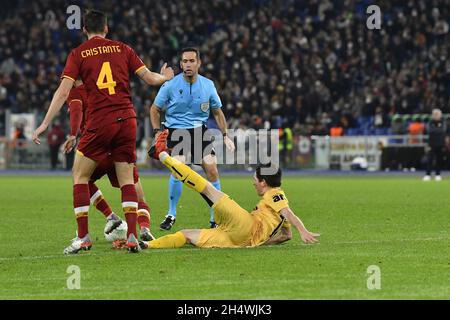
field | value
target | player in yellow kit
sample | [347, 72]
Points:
[269, 223]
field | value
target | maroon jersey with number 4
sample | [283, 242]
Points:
[104, 66]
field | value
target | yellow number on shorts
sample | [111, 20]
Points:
[109, 83]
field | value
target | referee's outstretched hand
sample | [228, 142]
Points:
[229, 143]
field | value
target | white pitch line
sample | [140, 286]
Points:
[391, 240]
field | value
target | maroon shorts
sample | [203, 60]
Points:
[117, 140]
[106, 166]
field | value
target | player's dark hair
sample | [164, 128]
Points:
[272, 180]
[190, 49]
[95, 21]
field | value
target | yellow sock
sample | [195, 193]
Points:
[185, 174]
[176, 240]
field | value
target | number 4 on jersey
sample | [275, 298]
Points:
[105, 79]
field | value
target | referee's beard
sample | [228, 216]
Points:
[189, 75]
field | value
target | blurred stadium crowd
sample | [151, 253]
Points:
[309, 65]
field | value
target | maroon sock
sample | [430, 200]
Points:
[98, 200]
[129, 206]
[81, 202]
[143, 215]
[103, 206]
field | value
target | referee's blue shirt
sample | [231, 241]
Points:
[186, 105]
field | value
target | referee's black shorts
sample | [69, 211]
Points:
[197, 139]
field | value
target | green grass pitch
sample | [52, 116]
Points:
[399, 224]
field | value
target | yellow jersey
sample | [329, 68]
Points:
[268, 220]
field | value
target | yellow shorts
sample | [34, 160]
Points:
[234, 230]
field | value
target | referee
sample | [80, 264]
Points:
[436, 144]
[186, 101]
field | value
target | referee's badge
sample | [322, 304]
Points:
[204, 106]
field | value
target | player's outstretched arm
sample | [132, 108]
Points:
[60, 96]
[307, 237]
[156, 79]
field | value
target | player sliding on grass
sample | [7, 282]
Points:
[104, 66]
[268, 223]
[77, 105]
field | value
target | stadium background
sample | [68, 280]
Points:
[304, 67]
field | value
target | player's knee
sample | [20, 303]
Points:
[191, 235]
[80, 177]
[187, 235]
